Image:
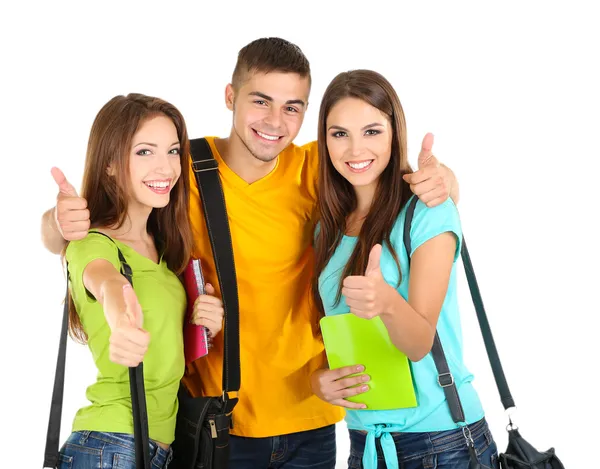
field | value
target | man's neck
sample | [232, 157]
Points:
[239, 159]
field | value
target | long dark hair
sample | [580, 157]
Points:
[107, 196]
[336, 196]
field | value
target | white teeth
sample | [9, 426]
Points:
[268, 137]
[362, 165]
[158, 184]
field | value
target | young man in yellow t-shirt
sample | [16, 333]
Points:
[270, 191]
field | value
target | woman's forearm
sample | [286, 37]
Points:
[409, 331]
[112, 301]
[106, 284]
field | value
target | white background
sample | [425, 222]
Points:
[510, 91]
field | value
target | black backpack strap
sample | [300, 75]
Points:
[444, 377]
[52, 437]
[486, 331]
[136, 384]
[205, 168]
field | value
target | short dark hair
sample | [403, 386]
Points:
[269, 54]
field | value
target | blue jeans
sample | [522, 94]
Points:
[84, 450]
[435, 450]
[314, 449]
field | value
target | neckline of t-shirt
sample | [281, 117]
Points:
[400, 217]
[126, 247]
[231, 176]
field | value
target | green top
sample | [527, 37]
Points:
[163, 302]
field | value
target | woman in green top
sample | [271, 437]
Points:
[136, 185]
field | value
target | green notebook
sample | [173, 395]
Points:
[350, 340]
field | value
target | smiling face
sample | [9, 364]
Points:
[154, 163]
[359, 141]
[268, 111]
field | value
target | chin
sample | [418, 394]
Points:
[266, 153]
[265, 158]
[160, 203]
[360, 181]
[262, 154]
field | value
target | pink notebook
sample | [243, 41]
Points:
[195, 340]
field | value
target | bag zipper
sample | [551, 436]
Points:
[213, 428]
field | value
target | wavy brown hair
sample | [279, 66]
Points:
[107, 197]
[336, 196]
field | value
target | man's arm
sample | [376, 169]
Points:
[51, 236]
[69, 220]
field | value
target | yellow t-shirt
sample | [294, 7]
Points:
[271, 222]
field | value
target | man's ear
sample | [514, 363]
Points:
[229, 96]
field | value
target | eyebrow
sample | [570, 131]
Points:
[153, 144]
[270, 99]
[369, 126]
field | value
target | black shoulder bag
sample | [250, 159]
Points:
[203, 423]
[136, 382]
[519, 453]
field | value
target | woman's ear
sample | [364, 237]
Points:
[110, 170]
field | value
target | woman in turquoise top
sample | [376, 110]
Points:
[136, 187]
[362, 268]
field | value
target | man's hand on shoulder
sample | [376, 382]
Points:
[433, 182]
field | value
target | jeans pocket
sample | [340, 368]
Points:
[489, 456]
[159, 461]
[122, 461]
[65, 462]
[485, 444]
[455, 458]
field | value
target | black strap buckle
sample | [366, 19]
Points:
[205, 165]
[445, 380]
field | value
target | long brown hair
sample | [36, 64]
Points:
[107, 196]
[336, 196]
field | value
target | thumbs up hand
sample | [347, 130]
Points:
[432, 182]
[71, 214]
[426, 157]
[368, 295]
[128, 341]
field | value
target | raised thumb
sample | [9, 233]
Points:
[64, 186]
[374, 264]
[426, 157]
[133, 307]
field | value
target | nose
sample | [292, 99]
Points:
[164, 165]
[273, 118]
[356, 146]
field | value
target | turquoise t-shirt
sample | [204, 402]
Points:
[431, 413]
[163, 300]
